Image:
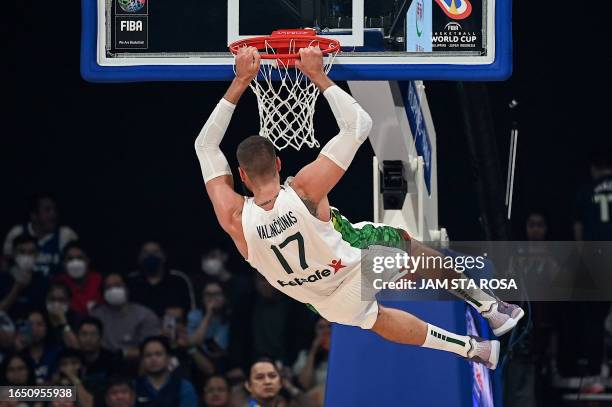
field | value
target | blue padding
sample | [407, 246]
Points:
[500, 69]
[366, 370]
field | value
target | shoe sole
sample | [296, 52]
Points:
[509, 324]
[494, 357]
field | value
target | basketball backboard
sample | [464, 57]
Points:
[148, 40]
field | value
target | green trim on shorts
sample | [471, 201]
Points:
[369, 235]
[366, 236]
[312, 308]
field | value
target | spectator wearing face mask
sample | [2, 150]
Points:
[156, 286]
[126, 324]
[21, 289]
[62, 319]
[215, 269]
[45, 228]
[239, 292]
[84, 283]
[214, 265]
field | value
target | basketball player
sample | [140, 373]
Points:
[304, 247]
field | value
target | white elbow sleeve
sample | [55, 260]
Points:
[212, 161]
[354, 123]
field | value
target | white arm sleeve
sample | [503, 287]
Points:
[212, 161]
[354, 123]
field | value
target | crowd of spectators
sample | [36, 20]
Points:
[156, 336]
[562, 347]
[153, 336]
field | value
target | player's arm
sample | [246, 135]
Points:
[318, 178]
[215, 168]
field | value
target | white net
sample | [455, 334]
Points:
[287, 104]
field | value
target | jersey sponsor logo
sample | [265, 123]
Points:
[456, 9]
[313, 278]
[336, 265]
[278, 226]
[318, 275]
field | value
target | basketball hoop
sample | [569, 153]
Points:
[287, 106]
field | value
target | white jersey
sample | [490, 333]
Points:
[297, 253]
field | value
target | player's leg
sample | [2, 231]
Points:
[404, 328]
[502, 317]
[350, 305]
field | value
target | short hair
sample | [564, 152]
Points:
[261, 359]
[257, 157]
[114, 381]
[113, 273]
[75, 244]
[62, 286]
[89, 320]
[162, 340]
[23, 239]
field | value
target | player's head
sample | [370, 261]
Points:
[258, 162]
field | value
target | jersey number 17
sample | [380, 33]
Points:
[281, 259]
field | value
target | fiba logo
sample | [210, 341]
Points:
[131, 6]
[453, 27]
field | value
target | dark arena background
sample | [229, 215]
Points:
[115, 162]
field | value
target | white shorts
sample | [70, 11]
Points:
[352, 304]
[345, 305]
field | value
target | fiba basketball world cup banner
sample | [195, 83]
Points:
[440, 26]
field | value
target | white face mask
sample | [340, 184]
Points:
[212, 266]
[25, 262]
[115, 295]
[76, 268]
[56, 306]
